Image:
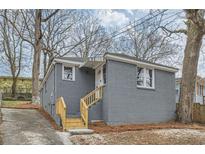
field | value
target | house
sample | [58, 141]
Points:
[117, 89]
[199, 94]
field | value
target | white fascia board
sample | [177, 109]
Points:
[139, 63]
[68, 61]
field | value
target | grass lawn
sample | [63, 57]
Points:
[13, 103]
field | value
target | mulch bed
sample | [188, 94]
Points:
[100, 127]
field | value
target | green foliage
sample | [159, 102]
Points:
[24, 85]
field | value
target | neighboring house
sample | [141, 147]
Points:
[134, 91]
[199, 93]
[23, 87]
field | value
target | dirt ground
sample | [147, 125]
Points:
[26, 126]
[162, 133]
[100, 127]
[144, 137]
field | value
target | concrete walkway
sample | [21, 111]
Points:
[24, 126]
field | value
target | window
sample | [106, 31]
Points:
[201, 90]
[68, 73]
[104, 74]
[145, 77]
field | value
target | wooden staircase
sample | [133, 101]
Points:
[85, 103]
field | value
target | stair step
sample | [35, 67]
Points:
[74, 120]
[74, 123]
[74, 115]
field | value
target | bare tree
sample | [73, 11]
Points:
[195, 30]
[146, 41]
[95, 38]
[12, 47]
[31, 21]
[56, 34]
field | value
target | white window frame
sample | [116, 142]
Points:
[73, 72]
[144, 77]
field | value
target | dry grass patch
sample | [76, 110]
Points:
[14, 104]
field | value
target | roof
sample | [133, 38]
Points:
[120, 55]
[134, 59]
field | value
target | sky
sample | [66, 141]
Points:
[116, 18]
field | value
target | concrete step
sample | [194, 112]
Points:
[80, 131]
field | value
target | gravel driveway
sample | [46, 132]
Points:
[153, 137]
[24, 126]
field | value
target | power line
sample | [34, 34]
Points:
[114, 34]
[151, 23]
[134, 22]
[137, 24]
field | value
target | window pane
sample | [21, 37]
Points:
[148, 82]
[148, 76]
[68, 74]
[140, 81]
[104, 74]
[140, 76]
[140, 72]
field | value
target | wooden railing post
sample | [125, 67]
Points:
[88, 101]
[61, 111]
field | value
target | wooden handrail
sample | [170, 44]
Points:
[93, 96]
[88, 101]
[84, 112]
[61, 111]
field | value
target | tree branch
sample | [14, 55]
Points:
[52, 14]
[174, 31]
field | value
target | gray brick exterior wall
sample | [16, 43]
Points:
[126, 103]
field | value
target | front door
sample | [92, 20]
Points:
[98, 76]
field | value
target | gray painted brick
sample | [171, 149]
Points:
[126, 103]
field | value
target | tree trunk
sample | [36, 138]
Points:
[13, 88]
[44, 63]
[191, 55]
[36, 58]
